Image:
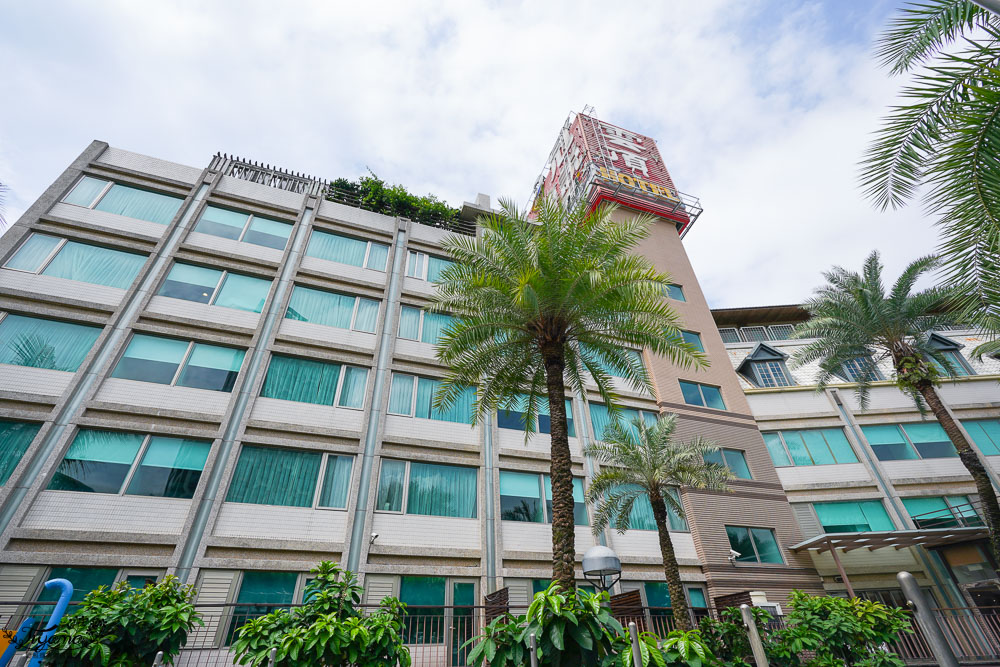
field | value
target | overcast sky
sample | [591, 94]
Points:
[761, 109]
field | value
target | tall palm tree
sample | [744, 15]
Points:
[946, 136]
[852, 319]
[640, 461]
[539, 303]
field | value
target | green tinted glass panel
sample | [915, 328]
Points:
[352, 389]
[243, 292]
[170, 468]
[839, 445]
[275, 476]
[713, 397]
[422, 591]
[222, 222]
[97, 462]
[657, 594]
[337, 248]
[520, 497]
[817, 447]
[401, 394]
[740, 542]
[693, 339]
[14, 440]
[320, 307]
[391, 482]
[86, 191]
[378, 253]
[151, 359]
[302, 380]
[676, 292]
[737, 462]
[140, 204]
[38, 343]
[336, 482]
[94, 264]
[691, 393]
[775, 449]
[696, 596]
[267, 587]
[367, 315]
[84, 580]
[888, 443]
[767, 545]
[33, 252]
[986, 435]
[442, 490]
[409, 322]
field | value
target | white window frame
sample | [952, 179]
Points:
[420, 323]
[735, 334]
[45, 262]
[354, 309]
[777, 368]
[250, 218]
[181, 365]
[340, 381]
[324, 463]
[546, 519]
[100, 195]
[777, 331]
[405, 499]
[423, 261]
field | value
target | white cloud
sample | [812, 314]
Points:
[759, 110]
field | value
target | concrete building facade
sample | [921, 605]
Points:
[219, 373]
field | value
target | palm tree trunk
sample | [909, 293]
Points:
[972, 462]
[560, 472]
[677, 600]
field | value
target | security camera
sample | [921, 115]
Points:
[734, 554]
[375, 537]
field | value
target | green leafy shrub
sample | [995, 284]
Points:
[328, 629]
[372, 193]
[124, 627]
[820, 631]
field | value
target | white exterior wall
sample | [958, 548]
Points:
[413, 530]
[343, 338]
[261, 193]
[398, 427]
[348, 272]
[109, 221]
[796, 477]
[233, 247]
[192, 310]
[281, 523]
[116, 157]
[537, 537]
[105, 512]
[307, 414]
[61, 288]
[24, 379]
[164, 397]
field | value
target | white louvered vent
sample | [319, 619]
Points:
[214, 587]
[378, 586]
[781, 331]
[15, 583]
[808, 523]
[730, 335]
[754, 334]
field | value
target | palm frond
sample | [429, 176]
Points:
[923, 29]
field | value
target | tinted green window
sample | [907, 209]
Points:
[222, 222]
[514, 418]
[77, 261]
[702, 394]
[733, 459]
[520, 497]
[275, 476]
[599, 419]
[409, 323]
[261, 593]
[930, 440]
[986, 435]
[755, 545]
[151, 359]
[38, 343]
[347, 250]
[33, 253]
[140, 204]
[97, 462]
[810, 447]
[336, 482]
[776, 449]
[853, 517]
[403, 402]
[425, 597]
[15, 437]
[211, 367]
[86, 191]
[170, 468]
[612, 370]
[579, 505]
[676, 292]
[888, 443]
[657, 594]
[243, 292]
[642, 515]
[391, 482]
[942, 512]
[332, 309]
[435, 267]
[442, 490]
[84, 580]
[302, 380]
[268, 233]
[434, 325]
[191, 283]
[693, 339]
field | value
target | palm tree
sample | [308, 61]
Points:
[539, 303]
[852, 319]
[945, 136]
[647, 462]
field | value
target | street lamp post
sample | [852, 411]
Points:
[601, 567]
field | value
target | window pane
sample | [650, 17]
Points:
[878, 518]
[29, 341]
[14, 440]
[336, 248]
[676, 292]
[221, 222]
[377, 256]
[367, 315]
[401, 394]
[737, 463]
[320, 307]
[139, 204]
[612, 370]
[657, 594]
[86, 191]
[579, 506]
[434, 325]
[641, 517]
[774, 448]
[272, 476]
[696, 596]
[441, 490]
[691, 393]
[599, 419]
[93, 264]
[986, 435]
[520, 497]
[170, 468]
[797, 448]
[191, 283]
[930, 512]
[930, 440]
[817, 447]
[265, 589]
[713, 397]
[714, 457]
[269, 233]
[336, 482]
[302, 380]
[85, 580]
[425, 618]
[409, 322]
[151, 359]
[33, 252]
[888, 443]
[850, 517]
[435, 266]
[243, 292]
[693, 339]
[415, 264]
[839, 445]
[212, 367]
[460, 410]
[390, 486]
[767, 546]
[739, 541]
[674, 520]
[97, 462]
[352, 393]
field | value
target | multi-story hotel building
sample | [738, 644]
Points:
[222, 374]
[878, 490]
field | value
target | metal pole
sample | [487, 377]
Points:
[755, 644]
[533, 644]
[272, 657]
[636, 652]
[840, 568]
[923, 611]
[158, 660]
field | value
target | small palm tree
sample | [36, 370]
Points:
[941, 142]
[537, 305]
[852, 318]
[647, 462]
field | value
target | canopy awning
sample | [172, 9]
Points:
[899, 539]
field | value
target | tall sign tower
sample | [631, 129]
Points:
[594, 161]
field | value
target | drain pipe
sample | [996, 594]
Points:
[375, 416]
[491, 542]
[194, 537]
[91, 376]
[583, 429]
